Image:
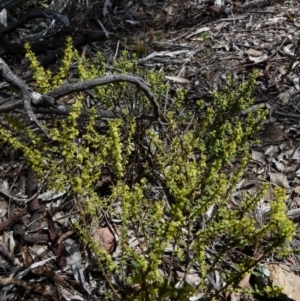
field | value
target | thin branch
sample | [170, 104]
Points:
[28, 95]
[100, 81]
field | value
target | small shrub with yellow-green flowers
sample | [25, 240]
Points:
[184, 160]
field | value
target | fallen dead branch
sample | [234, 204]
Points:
[31, 98]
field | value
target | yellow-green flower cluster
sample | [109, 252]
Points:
[45, 81]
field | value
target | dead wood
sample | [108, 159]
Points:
[31, 98]
[33, 15]
[11, 3]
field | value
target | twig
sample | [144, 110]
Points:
[107, 33]
[28, 95]
[117, 50]
[5, 192]
[8, 256]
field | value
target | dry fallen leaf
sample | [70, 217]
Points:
[284, 97]
[105, 238]
[297, 200]
[259, 59]
[177, 79]
[273, 134]
[253, 52]
[258, 156]
[279, 179]
[200, 30]
[297, 190]
[245, 281]
[192, 279]
[3, 209]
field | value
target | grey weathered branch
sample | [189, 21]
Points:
[28, 96]
[46, 103]
[100, 81]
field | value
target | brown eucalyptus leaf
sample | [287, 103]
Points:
[273, 134]
[105, 238]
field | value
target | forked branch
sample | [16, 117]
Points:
[30, 97]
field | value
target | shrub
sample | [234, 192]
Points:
[171, 188]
